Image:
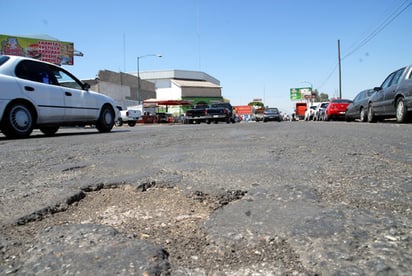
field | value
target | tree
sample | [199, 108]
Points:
[323, 97]
[259, 104]
[320, 97]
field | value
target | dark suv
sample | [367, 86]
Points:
[271, 114]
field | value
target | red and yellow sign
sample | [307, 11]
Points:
[243, 109]
[57, 52]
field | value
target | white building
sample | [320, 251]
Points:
[194, 86]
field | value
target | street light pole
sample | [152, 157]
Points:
[139, 95]
[340, 72]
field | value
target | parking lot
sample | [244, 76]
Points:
[245, 198]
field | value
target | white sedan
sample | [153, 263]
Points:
[36, 94]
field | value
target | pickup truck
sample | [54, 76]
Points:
[229, 107]
[129, 116]
[206, 114]
[300, 110]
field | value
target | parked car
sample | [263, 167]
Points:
[130, 116]
[207, 114]
[336, 109]
[358, 109]
[163, 117]
[393, 99]
[229, 108]
[309, 113]
[319, 107]
[272, 114]
[36, 94]
[321, 113]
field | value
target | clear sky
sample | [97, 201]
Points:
[257, 49]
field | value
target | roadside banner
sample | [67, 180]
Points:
[53, 51]
[243, 109]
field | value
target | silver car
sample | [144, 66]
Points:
[393, 99]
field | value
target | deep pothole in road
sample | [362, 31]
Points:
[172, 220]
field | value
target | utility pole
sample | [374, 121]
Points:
[340, 73]
[139, 93]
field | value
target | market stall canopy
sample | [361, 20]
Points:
[166, 102]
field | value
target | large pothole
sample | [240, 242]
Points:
[168, 218]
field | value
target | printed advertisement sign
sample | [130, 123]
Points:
[243, 109]
[57, 52]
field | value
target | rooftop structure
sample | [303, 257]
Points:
[178, 75]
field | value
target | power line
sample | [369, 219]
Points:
[329, 76]
[388, 20]
[397, 12]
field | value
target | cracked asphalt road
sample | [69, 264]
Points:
[240, 199]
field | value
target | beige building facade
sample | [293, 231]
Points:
[122, 87]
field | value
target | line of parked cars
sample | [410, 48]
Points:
[392, 99]
[325, 111]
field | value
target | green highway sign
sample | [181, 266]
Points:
[297, 94]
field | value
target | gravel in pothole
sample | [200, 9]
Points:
[168, 218]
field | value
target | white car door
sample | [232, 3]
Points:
[81, 105]
[38, 85]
